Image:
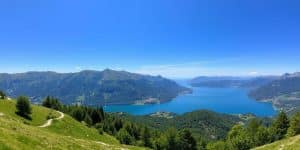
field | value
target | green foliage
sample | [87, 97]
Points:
[124, 137]
[2, 95]
[172, 139]
[186, 140]
[280, 126]
[203, 123]
[255, 133]
[23, 107]
[238, 138]
[262, 136]
[87, 119]
[51, 102]
[146, 137]
[219, 145]
[294, 128]
[160, 142]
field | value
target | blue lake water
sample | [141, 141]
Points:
[223, 100]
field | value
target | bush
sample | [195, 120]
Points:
[23, 107]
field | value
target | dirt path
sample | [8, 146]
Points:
[49, 121]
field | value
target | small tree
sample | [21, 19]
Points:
[294, 128]
[2, 95]
[23, 107]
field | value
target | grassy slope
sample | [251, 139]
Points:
[292, 143]
[62, 134]
[39, 114]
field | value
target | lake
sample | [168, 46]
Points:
[223, 100]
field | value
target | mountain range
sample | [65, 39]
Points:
[284, 92]
[231, 81]
[91, 87]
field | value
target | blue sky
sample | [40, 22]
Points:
[174, 38]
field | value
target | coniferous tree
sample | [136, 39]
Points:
[46, 102]
[23, 107]
[2, 95]
[187, 141]
[280, 126]
[294, 128]
[78, 113]
[87, 119]
[146, 137]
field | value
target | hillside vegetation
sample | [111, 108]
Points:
[18, 133]
[91, 87]
[203, 123]
[292, 143]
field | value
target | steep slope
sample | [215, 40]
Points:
[17, 133]
[284, 93]
[91, 87]
[292, 143]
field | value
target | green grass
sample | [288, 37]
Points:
[292, 143]
[70, 127]
[62, 134]
[39, 114]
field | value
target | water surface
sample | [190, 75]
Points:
[223, 100]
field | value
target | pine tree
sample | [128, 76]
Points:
[46, 102]
[87, 119]
[280, 126]
[23, 107]
[2, 95]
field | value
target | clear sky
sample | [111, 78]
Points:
[174, 38]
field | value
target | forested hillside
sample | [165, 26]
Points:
[91, 87]
[204, 124]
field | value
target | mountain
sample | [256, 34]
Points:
[91, 87]
[229, 81]
[66, 133]
[284, 92]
